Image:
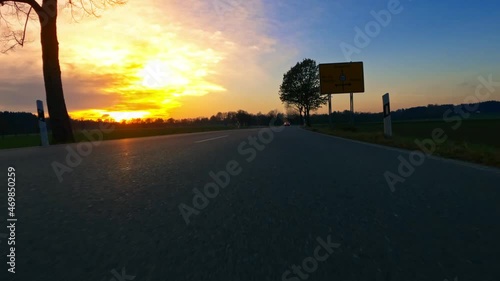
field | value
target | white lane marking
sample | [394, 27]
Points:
[211, 139]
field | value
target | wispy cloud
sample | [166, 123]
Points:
[107, 61]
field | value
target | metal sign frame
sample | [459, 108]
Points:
[387, 115]
[341, 78]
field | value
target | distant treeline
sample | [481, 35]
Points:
[238, 118]
[15, 123]
[489, 109]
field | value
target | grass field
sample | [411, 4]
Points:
[474, 140]
[34, 140]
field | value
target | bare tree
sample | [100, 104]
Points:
[21, 12]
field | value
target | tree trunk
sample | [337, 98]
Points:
[301, 118]
[59, 118]
[308, 121]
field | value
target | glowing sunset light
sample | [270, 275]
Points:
[187, 59]
[162, 74]
[143, 80]
[117, 116]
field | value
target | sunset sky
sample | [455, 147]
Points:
[191, 58]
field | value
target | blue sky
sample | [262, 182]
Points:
[222, 55]
[430, 48]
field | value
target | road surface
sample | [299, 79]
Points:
[290, 205]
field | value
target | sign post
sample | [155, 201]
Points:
[330, 110]
[352, 110]
[387, 116]
[42, 124]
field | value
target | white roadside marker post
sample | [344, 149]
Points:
[387, 116]
[41, 123]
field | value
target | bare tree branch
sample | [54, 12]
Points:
[25, 26]
[32, 3]
[11, 35]
[21, 10]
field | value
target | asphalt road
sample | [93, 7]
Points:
[300, 199]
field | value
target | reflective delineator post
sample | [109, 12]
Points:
[41, 123]
[387, 116]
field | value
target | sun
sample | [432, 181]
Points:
[140, 78]
[113, 116]
[120, 116]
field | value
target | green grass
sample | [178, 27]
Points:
[474, 140]
[34, 140]
[19, 141]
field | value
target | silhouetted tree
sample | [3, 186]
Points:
[244, 118]
[300, 88]
[15, 123]
[46, 13]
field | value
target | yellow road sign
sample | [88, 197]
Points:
[341, 78]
